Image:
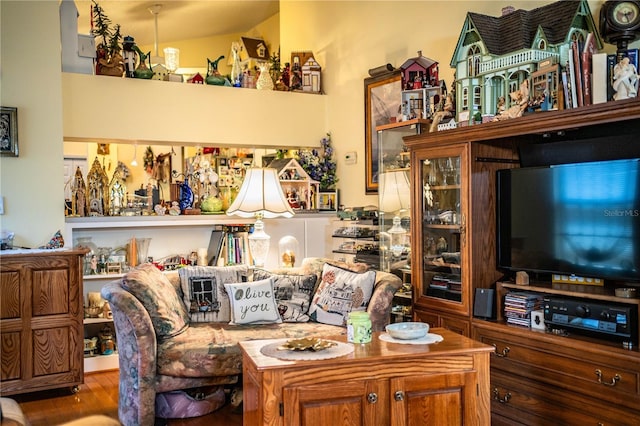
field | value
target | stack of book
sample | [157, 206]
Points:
[229, 245]
[588, 76]
[519, 305]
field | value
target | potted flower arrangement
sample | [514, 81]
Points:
[319, 164]
[108, 57]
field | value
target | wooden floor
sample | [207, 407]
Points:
[99, 395]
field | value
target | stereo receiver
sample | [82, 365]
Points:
[605, 320]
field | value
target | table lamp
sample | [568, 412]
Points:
[395, 197]
[261, 197]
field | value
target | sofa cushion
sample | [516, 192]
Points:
[293, 293]
[203, 291]
[211, 349]
[253, 302]
[340, 292]
[160, 299]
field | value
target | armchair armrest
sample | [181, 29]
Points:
[137, 350]
[380, 304]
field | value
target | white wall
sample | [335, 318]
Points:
[347, 37]
[31, 184]
[351, 37]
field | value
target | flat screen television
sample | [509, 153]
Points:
[581, 219]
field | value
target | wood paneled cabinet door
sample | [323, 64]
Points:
[41, 333]
[422, 400]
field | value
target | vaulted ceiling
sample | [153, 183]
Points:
[179, 19]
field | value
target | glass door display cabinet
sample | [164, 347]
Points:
[440, 276]
[394, 193]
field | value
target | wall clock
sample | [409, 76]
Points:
[620, 22]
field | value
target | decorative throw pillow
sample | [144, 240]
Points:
[160, 299]
[340, 292]
[293, 293]
[203, 290]
[253, 302]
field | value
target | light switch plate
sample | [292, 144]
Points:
[1, 204]
[351, 157]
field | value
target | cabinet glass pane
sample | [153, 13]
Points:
[394, 193]
[441, 228]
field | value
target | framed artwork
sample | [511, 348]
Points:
[382, 97]
[328, 201]
[9, 131]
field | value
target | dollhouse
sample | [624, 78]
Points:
[494, 55]
[305, 72]
[301, 191]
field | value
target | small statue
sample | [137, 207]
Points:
[446, 112]
[519, 102]
[625, 80]
[129, 56]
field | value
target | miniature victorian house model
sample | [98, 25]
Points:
[301, 191]
[421, 88]
[495, 55]
[305, 72]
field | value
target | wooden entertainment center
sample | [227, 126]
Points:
[538, 377]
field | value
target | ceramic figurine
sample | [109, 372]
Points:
[213, 75]
[625, 80]
[128, 46]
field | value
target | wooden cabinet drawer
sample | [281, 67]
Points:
[600, 372]
[518, 401]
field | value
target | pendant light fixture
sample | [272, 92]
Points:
[134, 162]
[156, 59]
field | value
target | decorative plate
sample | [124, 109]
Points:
[307, 344]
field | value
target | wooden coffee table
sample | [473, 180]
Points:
[379, 383]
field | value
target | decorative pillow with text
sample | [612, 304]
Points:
[340, 292]
[253, 302]
[292, 292]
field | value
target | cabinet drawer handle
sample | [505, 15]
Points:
[504, 353]
[398, 396]
[496, 396]
[372, 398]
[613, 381]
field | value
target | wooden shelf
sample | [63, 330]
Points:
[584, 292]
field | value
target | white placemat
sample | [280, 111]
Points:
[272, 350]
[429, 338]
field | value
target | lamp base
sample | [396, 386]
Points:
[259, 242]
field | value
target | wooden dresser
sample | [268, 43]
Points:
[41, 314]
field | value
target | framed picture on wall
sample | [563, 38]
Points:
[382, 98]
[328, 200]
[9, 131]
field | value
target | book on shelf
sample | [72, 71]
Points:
[229, 245]
[566, 90]
[587, 53]
[577, 73]
[599, 80]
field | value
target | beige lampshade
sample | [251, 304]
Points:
[261, 195]
[395, 192]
